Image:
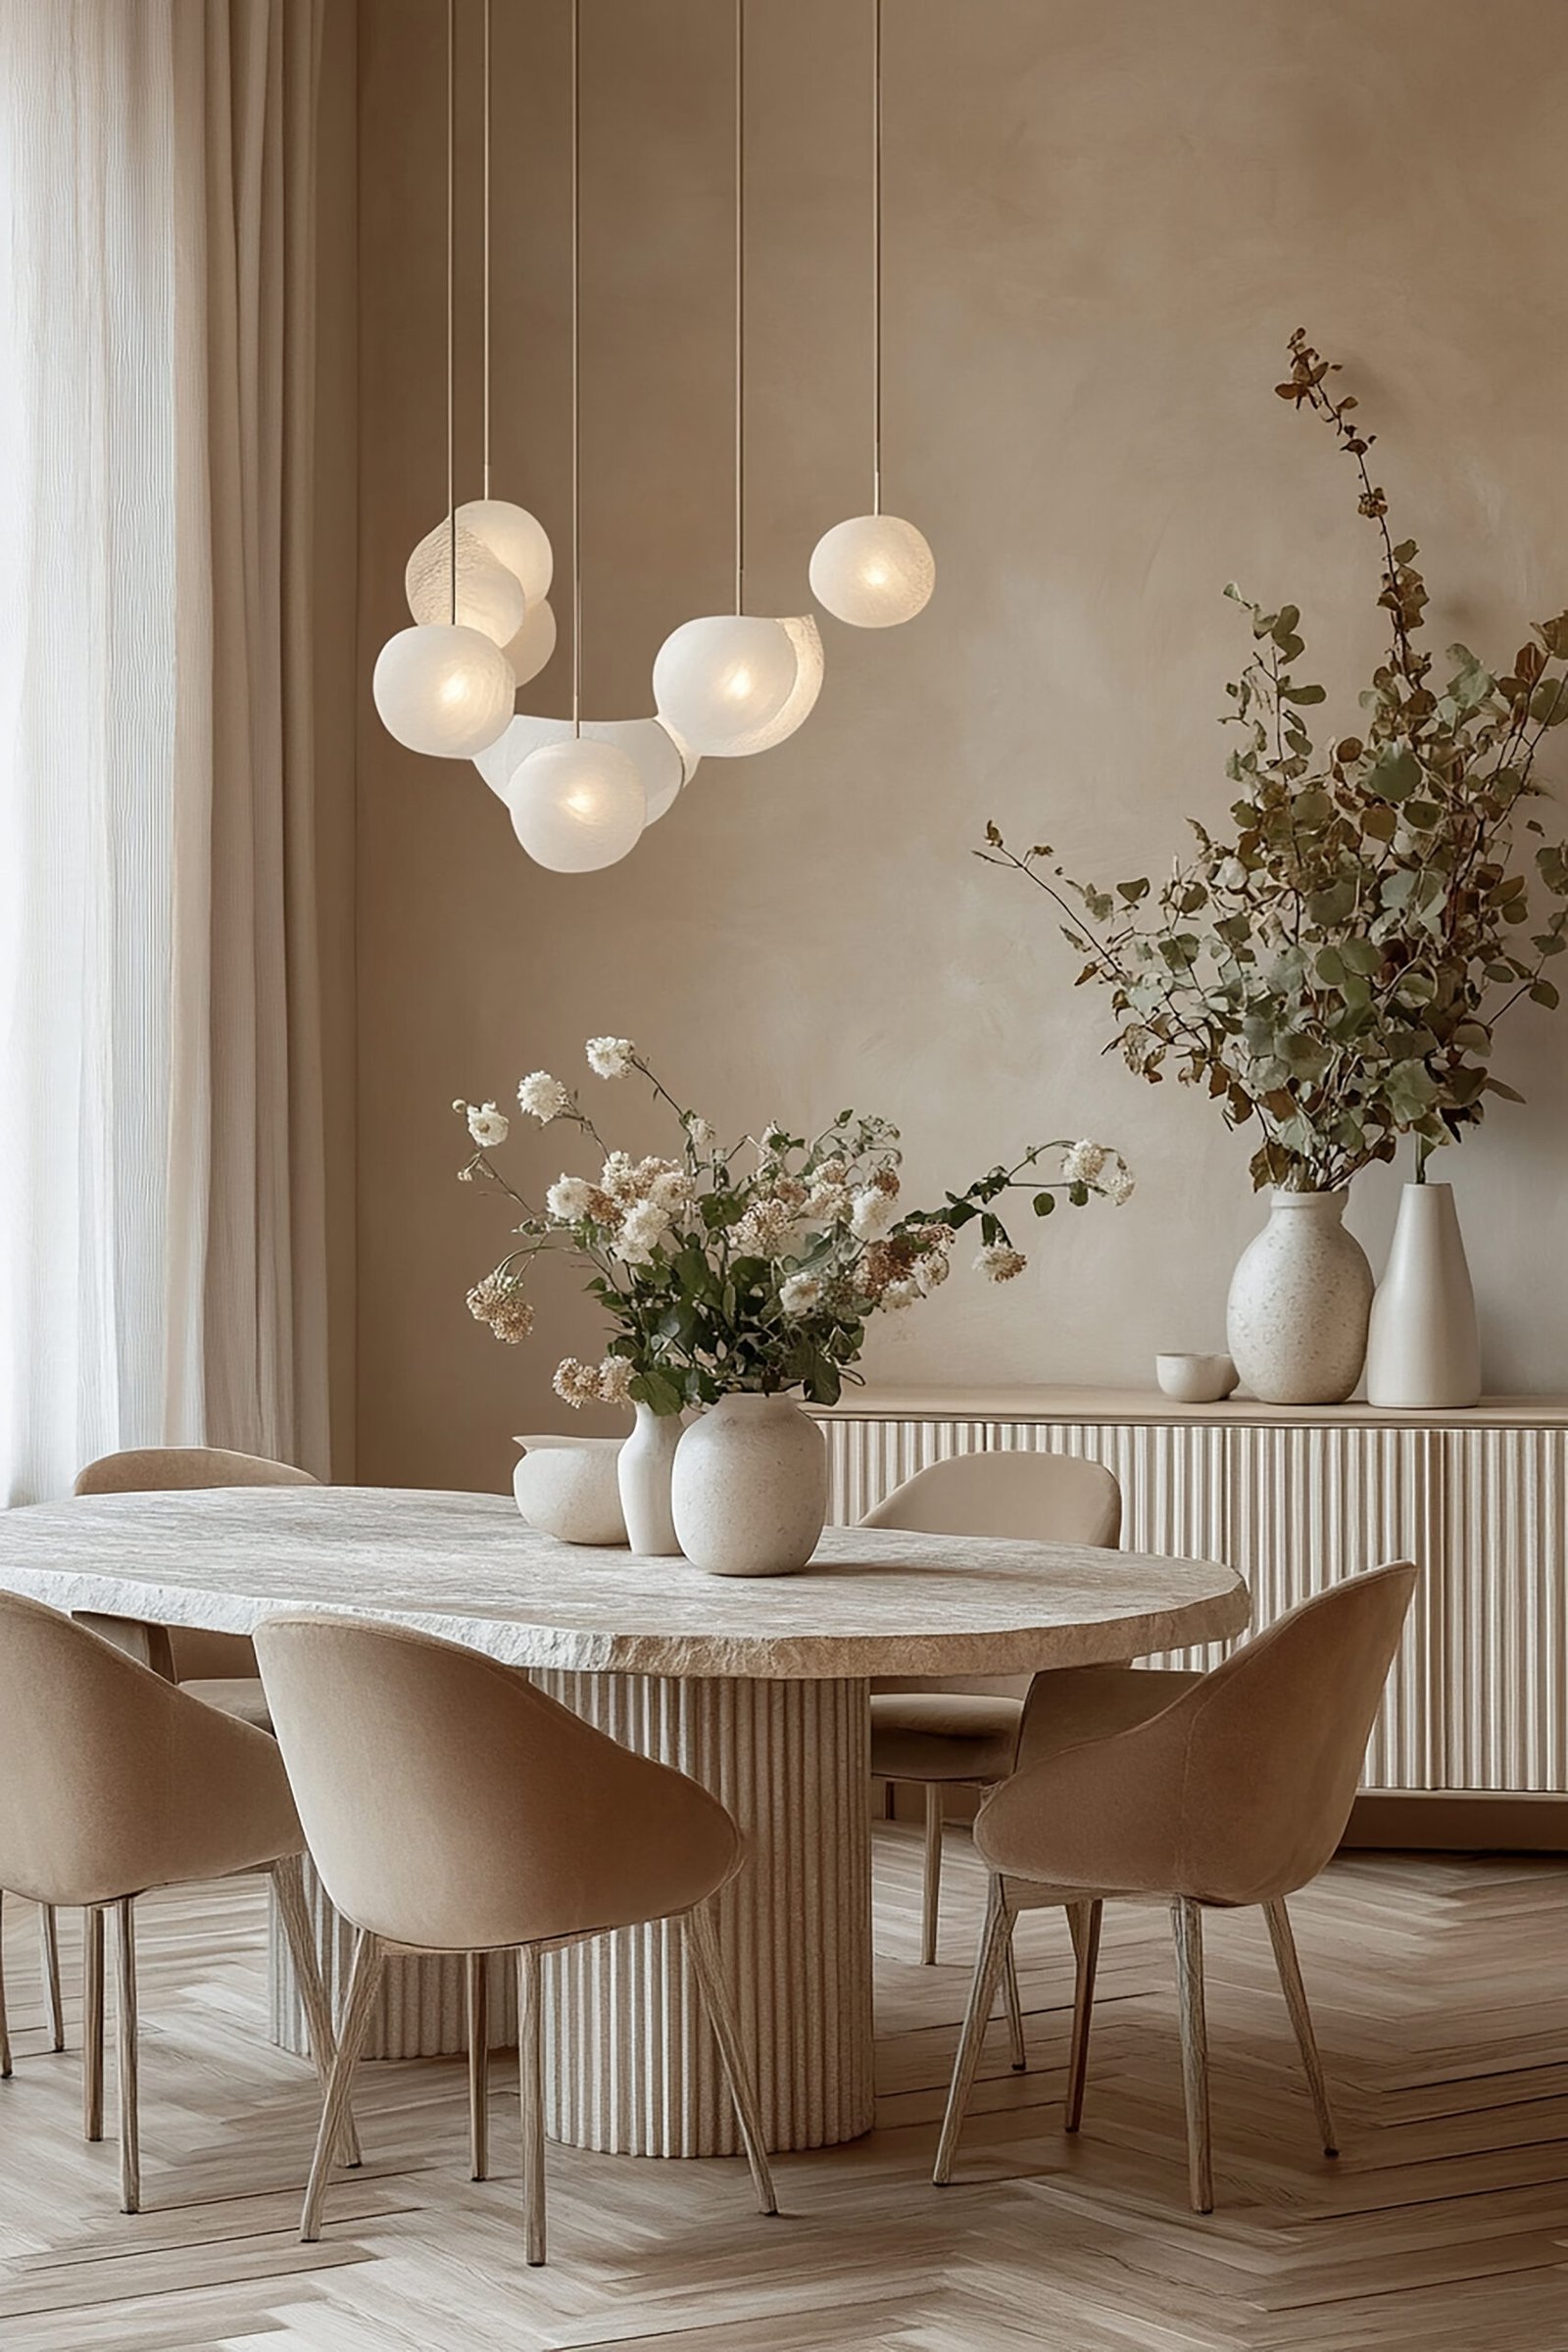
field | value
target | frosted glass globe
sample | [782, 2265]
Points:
[577, 806]
[516, 538]
[443, 691]
[872, 572]
[490, 597]
[799, 703]
[665, 764]
[534, 643]
[721, 679]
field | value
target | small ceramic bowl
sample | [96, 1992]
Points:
[1196, 1379]
[568, 1486]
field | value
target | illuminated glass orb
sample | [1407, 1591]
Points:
[873, 572]
[799, 703]
[719, 681]
[516, 538]
[490, 597]
[534, 643]
[577, 806]
[443, 691]
[665, 766]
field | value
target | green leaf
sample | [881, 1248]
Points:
[1395, 774]
[1302, 694]
[1545, 991]
[1044, 1203]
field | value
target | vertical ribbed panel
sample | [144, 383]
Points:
[1477, 1698]
[631, 2065]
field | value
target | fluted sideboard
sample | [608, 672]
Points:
[1297, 1496]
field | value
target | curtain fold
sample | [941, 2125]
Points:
[162, 1274]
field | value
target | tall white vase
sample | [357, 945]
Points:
[644, 1468]
[1423, 1348]
[1297, 1316]
[751, 1488]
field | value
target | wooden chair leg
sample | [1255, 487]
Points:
[702, 1947]
[1084, 1922]
[476, 1965]
[996, 1939]
[5, 2034]
[931, 1897]
[125, 2054]
[92, 2025]
[49, 1947]
[364, 1977]
[1294, 1992]
[1014, 2007]
[1187, 1925]
[531, 2087]
[288, 1883]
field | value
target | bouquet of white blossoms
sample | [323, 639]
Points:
[752, 1267]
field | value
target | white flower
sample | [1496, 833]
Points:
[570, 1197]
[904, 1293]
[542, 1096]
[672, 1190]
[998, 1263]
[487, 1125]
[614, 1380]
[576, 1383]
[620, 1177]
[799, 1294]
[871, 1213]
[611, 1056]
[1118, 1187]
[832, 1202]
[1082, 1162]
[643, 1228]
[703, 1133]
[764, 1228]
[932, 1270]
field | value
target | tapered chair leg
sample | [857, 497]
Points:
[931, 1891]
[288, 1883]
[125, 2054]
[1015, 2008]
[702, 1946]
[92, 2025]
[996, 1939]
[531, 2088]
[1083, 1921]
[364, 1977]
[1294, 1992]
[49, 1947]
[5, 2034]
[1187, 1925]
[477, 1982]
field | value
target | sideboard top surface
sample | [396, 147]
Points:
[1150, 1408]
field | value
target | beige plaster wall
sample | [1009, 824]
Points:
[1101, 222]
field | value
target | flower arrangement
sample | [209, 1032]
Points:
[1336, 965]
[753, 1266]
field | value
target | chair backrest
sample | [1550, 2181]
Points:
[1031, 1498]
[451, 1805]
[112, 1780]
[197, 1655]
[1240, 1790]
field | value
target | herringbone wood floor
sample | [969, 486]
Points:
[1439, 1985]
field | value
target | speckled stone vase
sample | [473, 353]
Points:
[750, 1489]
[1297, 1317]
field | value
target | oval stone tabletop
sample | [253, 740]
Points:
[872, 1601]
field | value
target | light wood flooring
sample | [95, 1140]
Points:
[1438, 1985]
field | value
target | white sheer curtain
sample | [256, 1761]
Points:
[159, 1182]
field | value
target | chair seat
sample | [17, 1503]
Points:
[1075, 1703]
[943, 1736]
[240, 1696]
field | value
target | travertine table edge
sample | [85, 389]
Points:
[749, 1686]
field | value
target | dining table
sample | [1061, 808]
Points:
[760, 1689]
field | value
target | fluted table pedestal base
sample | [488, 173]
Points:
[632, 2064]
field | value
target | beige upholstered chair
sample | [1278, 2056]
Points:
[452, 1807]
[113, 1781]
[961, 1732]
[1210, 1789]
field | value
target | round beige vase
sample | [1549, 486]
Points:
[1297, 1318]
[750, 1487]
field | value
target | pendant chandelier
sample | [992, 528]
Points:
[876, 569]
[733, 684]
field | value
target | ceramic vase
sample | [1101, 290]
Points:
[1297, 1318]
[751, 1488]
[647, 1461]
[1423, 1348]
[566, 1486]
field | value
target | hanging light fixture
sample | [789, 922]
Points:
[734, 684]
[875, 570]
[445, 687]
[577, 805]
[665, 766]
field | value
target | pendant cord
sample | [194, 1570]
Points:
[876, 257]
[740, 307]
[576, 396]
[486, 269]
[452, 145]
